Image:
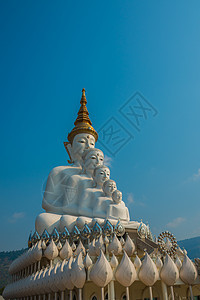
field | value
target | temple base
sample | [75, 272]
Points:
[50, 221]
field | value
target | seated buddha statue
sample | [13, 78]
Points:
[83, 188]
[118, 209]
[81, 138]
[115, 207]
[91, 198]
[109, 187]
[77, 185]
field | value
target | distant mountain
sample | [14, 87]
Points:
[191, 245]
[6, 258]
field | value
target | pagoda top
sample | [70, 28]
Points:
[83, 123]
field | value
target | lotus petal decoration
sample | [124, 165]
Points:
[137, 263]
[188, 272]
[73, 246]
[59, 246]
[178, 262]
[46, 280]
[148, 272]
[41, 280]
[80, 249]
[51, 251]
[53, 278]
[38, 251]
[92, 248]
[169, 273]
[60, 278]
[114, 262]
[129, 246]
[87, 261]
[78, 274]
[44, 246]
[159, 263]
[101, 273]
[126, 273]
[99, 244]
[115, 246]
[37, 279]
[67, 274]
[66, 251]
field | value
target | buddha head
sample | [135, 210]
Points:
[91, 159]
[101, 174]
[117, 196]
[82, 136]
[80, 143]
[109, 187]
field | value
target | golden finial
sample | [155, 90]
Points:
[82, 123]
[83, 115]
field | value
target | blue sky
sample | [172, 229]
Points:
[49, 52]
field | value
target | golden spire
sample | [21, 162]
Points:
[83, 114]
[82, 123]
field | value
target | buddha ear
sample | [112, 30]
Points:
[68, 148]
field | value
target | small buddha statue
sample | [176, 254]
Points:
[92, 158]
[94, 197]
[117, 196]
[109, 187]
[101, 174]
[118, 209]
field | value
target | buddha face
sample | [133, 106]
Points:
[117, 196]
[92, 158]
[81, 142]
[109, 187]
[101, 174]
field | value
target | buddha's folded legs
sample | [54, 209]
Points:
[47, 221]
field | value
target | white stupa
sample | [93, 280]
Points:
[86, 247]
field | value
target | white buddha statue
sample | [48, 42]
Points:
[83, 188]
[115, 207]
[118, 209]
[77, 185]
[109, 187]
[92, 196]
[117, 196]
[81, 138]
[101, 174]
[57, 180]
[92, 159]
